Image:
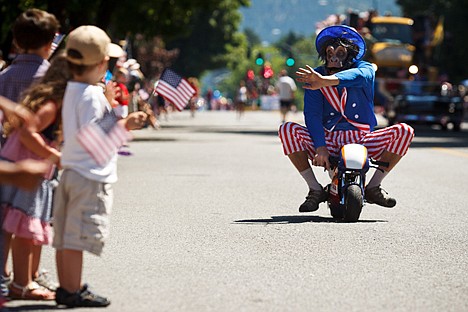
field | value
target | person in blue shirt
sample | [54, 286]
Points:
[339, 110]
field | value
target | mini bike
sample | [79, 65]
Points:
[348, 174]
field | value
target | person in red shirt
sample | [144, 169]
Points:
[123, 98]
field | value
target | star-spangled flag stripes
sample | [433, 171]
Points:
[58, 39]
[174, 88]
[101, 139]
[339, 104]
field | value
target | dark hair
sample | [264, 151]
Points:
[352, 48]
[34, 28]
[77, 69]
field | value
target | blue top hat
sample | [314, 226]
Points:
[341, 31]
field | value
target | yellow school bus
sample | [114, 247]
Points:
[392, 42]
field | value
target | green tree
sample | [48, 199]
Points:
[252, 37]
[213, 32]
[285, 43]
[203, 28]
[304, 53]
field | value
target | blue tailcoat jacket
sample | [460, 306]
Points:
[320, 116]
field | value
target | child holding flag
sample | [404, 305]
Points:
[83, 198]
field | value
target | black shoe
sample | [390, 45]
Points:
[82, 298]
[313, 199]
[376, 195]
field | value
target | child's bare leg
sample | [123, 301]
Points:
[22, 259]
[69, 269]
[36, 259]
[6, 252]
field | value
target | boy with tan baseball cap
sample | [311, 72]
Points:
[83, 199]
[89, 45]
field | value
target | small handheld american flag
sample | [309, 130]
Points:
[174, 88]
[101, 139]
[58, 39]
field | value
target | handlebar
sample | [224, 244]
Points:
[334, 160]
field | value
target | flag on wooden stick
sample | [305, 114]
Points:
[174, 88]
[102, 139]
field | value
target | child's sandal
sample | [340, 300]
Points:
[31, 292]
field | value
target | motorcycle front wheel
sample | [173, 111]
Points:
[353, 203]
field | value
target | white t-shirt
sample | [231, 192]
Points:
[84, 103]
[242, 94]
[286, 87]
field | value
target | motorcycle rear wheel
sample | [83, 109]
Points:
[353, 203]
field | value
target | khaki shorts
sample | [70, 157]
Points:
[81, 213]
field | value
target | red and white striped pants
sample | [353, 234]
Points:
[395, 139]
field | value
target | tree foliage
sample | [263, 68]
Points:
[285, 43]
[252, 37]
[212, 33]
[201, 30]
[303, 51]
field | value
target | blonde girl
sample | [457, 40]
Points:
[27, 214]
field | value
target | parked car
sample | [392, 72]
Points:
[427, 104]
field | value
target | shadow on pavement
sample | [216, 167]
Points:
[33, 307]
[426, 136]
[430, 136]
[153, 138]
[297, 219]
[241, 131]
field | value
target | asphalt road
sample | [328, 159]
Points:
[206, 218]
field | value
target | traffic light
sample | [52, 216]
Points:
[290, 61]
[259, 60]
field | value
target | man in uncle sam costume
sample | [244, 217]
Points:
[338, 110]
